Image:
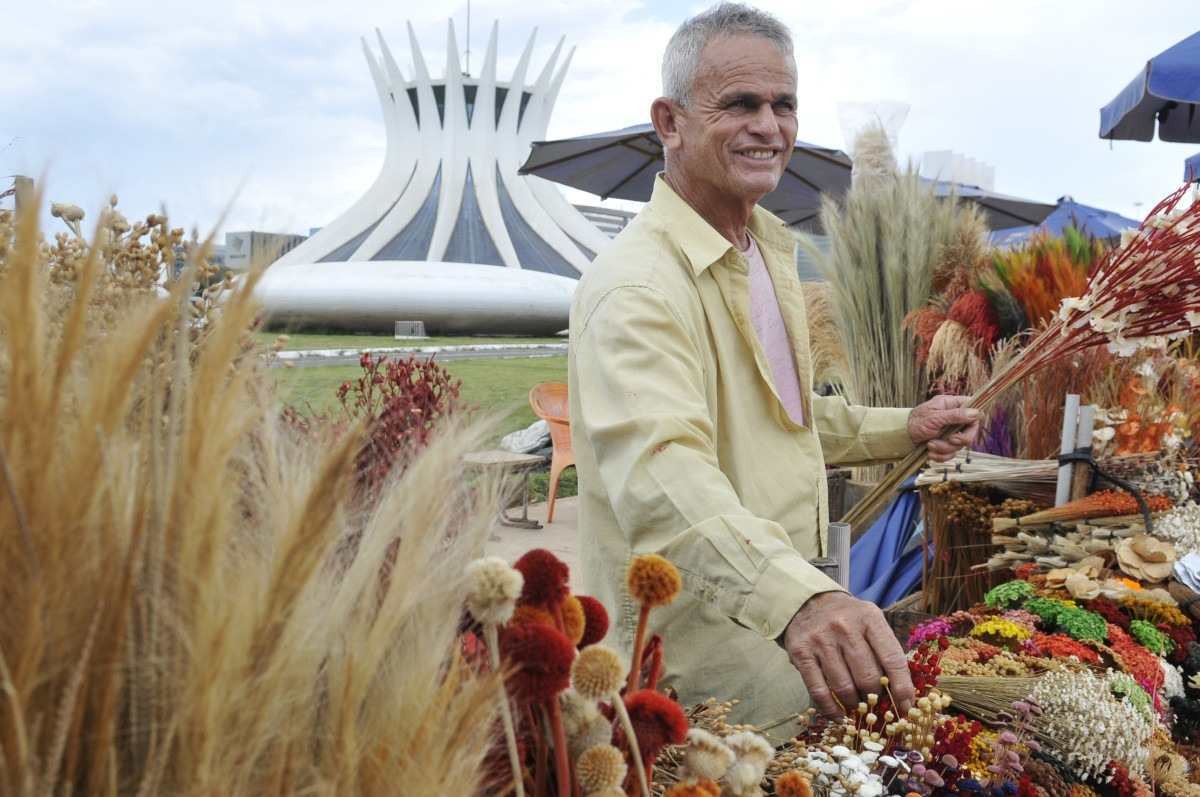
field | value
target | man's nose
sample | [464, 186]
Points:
[765, 123]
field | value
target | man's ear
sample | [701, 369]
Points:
[664, 115]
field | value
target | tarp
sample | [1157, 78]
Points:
[1166, 91]
[885, 563]
[1095, 222]
[1191, 169]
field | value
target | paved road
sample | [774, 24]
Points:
[506, 353]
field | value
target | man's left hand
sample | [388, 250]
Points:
[944, 424]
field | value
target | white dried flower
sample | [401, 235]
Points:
[1088, 726]
[1180, 525]
[1172, 679]
[493, 590]
[706, 756]
[753, 753]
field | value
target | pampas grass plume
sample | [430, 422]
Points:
[706, 756]
[494, 589]
[574, 619]
[601, 767]
[597, 672]
[595, 626]
[653, 581]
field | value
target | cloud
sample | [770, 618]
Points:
[184, 102]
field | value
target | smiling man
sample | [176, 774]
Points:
[696, 430]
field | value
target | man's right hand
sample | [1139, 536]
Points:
[841, 646]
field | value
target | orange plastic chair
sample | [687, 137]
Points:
[549, 402]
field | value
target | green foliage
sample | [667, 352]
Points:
[1151, 638]
[1048, 609]
[1082, 625]
[1009, 594]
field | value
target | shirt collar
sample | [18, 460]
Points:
[700, 242]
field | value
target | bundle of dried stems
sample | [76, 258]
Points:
[1141, 295]
[170, 620]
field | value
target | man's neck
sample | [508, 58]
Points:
[730, 219]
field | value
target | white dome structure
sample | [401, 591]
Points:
[449, 233]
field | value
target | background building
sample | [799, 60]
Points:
[449, 233]
[244, 249]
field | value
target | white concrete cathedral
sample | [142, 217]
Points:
[449, 233]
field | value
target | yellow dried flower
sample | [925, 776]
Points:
[493, 590]
[653, 581]
[695, 788]
[600, 768]
[597, 672]
[994, 626]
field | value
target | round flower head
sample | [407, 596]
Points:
[657, 721]
[694, 788]
[585, 726]
[493, 590]
[706, 756]
[595, 626]
[749, 746]
[653, 581]
[597, 672]
[793, 784]
[546, 579]
[527, 613]
[573, 619]
[542, 659]
[601, 767]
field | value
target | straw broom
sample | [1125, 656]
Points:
[1141, 295]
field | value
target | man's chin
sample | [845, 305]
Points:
[754, 188]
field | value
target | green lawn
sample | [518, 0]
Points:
[491, 385]
[306, 340]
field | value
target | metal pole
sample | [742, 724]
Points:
[468, 38]
[1069, 432]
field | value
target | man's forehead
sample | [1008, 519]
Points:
[746, 64]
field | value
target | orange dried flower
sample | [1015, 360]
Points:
[657, 721]
[528, 613]
[573, 619]
[793, 784]
[653, 580]
[698, 788]
[541, 657]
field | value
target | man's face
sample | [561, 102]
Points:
[736, 134]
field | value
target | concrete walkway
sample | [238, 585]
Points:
[560, 537]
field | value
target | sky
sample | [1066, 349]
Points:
[261, 114]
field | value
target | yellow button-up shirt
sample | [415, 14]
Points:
[684, 449]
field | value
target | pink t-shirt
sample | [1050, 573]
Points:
[772, 334]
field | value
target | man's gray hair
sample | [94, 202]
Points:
[682, 57]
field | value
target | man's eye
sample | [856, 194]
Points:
[785, 107]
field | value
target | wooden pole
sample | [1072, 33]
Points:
[1066, 471]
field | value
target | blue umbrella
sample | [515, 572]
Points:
[1166, 91]
[1191, 169]
[1091, 221]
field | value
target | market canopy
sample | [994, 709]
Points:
[1000, 211]
[1095, 222]
[1166, 91]
[622, 164]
